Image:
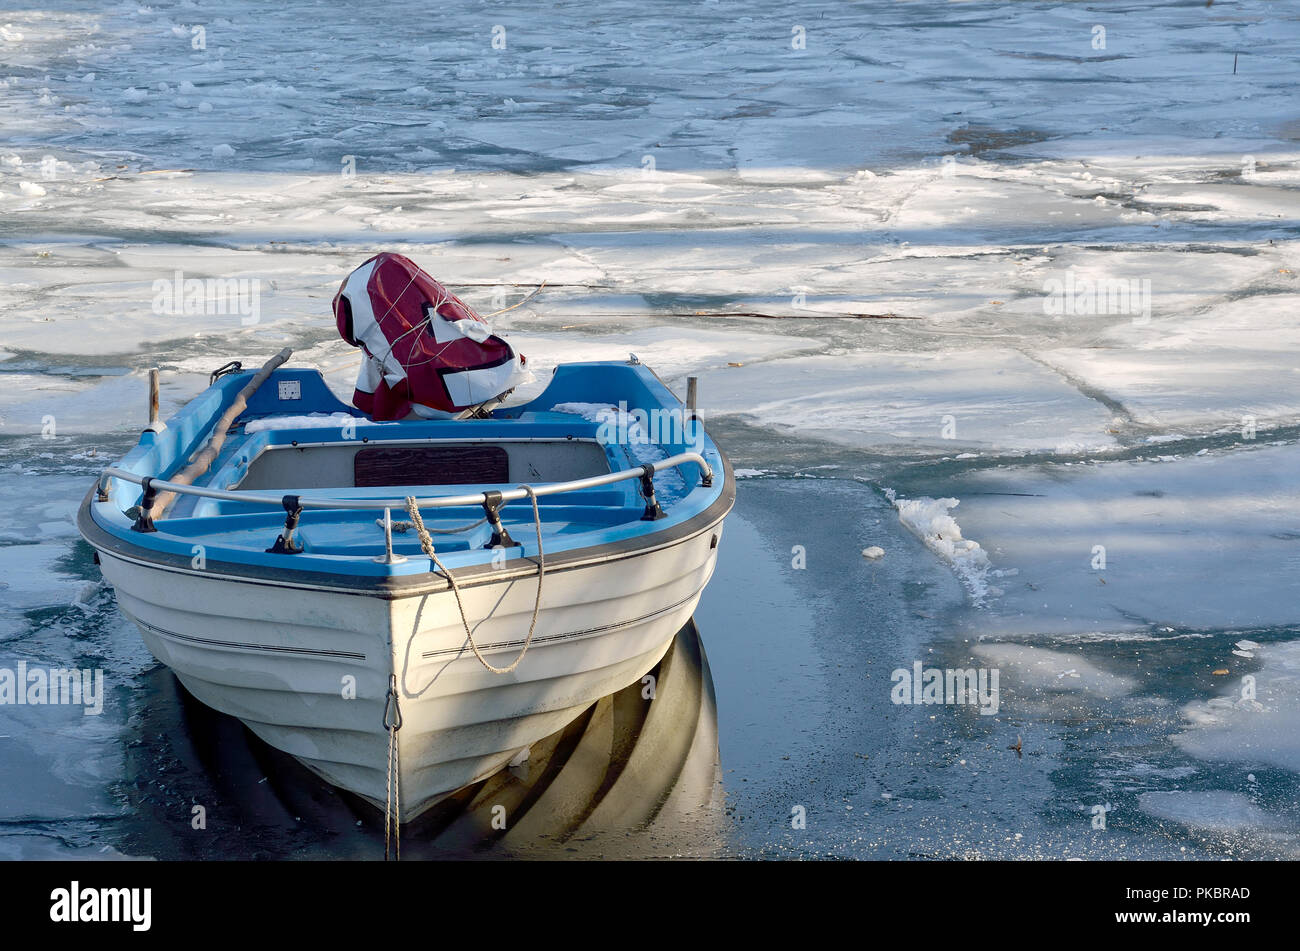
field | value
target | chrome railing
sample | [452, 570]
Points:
[437, 501]
[491, 500]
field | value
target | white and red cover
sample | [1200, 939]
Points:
[424, 351]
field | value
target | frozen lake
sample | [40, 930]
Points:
[1006, 290]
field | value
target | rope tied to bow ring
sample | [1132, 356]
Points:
[426, 543]
[393, 807]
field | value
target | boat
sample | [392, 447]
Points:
[406, 606]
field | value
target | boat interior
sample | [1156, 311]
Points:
[280, 462]
[308, 450]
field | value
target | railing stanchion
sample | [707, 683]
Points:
[388, 558]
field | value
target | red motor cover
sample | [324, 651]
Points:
[425, 352]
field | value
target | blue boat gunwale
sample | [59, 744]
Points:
[159, 454]
[393, 587]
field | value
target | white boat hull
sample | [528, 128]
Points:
[308, 670]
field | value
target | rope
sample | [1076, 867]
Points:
[521, 303]
[427, 544]
[393, 806]
[401, 527]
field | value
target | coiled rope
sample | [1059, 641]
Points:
[426, 543]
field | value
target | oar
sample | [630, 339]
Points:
[205, 457]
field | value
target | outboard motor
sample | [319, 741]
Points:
[425, 354]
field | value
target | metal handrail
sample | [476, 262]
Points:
[479, 498]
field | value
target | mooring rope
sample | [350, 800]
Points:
[393, 806]
[406, 526]
[426, 543]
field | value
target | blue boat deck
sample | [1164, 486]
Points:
[342, 532]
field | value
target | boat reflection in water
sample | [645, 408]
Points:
[635, 775]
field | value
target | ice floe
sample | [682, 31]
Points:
[1255, 722]
[930, 520]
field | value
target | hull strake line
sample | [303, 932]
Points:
[241, 645]
[604, 628]
[350, 655]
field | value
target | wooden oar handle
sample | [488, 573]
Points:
[205, 457]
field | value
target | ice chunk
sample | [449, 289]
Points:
[930, 521]
[1131, 545]
[987, 399]
[1258, 721]
[1052, 671]
[1213, 810]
